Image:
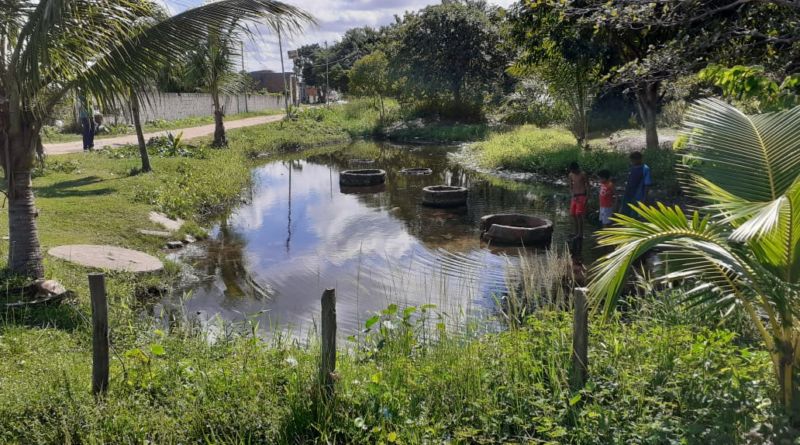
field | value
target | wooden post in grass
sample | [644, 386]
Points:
[97, 288]
[580, 339]
[328, 326]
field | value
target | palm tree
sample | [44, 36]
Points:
[740, 250]
[50, 47]
[213, 68]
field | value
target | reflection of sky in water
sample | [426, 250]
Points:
[375, 249]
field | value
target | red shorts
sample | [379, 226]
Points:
[577, 207]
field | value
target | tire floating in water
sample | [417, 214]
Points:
[416, 171]
[362, 178]
[444, 196]
[517, 229]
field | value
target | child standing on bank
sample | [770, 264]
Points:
[579, 187]
[606, 197]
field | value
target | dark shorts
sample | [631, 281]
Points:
[577, 207]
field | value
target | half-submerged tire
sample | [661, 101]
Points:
[444, 196]
[362, 178]
[362, 189]
[416, 171]
[517, 229]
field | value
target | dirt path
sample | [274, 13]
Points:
[188, 133]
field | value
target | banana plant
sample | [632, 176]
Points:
[739, 250]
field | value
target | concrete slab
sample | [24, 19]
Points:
[108, 258]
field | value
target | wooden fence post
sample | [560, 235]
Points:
[580, 339]
[328, 325]
[97, 288]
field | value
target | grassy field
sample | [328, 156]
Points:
[551, 150]
[661, 375]
[53, 137]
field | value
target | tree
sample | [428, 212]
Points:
[649, 43]
[50, 47]
[212, 66]
[451, 52]
[339, 57]
[753, 84]
[561, 55]
[741, 249]
[370, 77]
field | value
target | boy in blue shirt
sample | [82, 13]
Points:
[639, 180]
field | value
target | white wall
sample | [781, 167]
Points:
[172, 106]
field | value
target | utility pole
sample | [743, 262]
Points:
[283, 71]
[327, 84]
[241, 45]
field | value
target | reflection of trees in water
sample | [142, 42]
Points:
[226, 255]
[455, 228]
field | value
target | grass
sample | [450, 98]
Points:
[660, 376]
[550, 151]
[650, 383]
[53, 137]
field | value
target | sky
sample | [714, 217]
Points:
[334, 17]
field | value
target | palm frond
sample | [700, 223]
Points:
[660, 226]
[755, 158]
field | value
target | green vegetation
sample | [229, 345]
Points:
[50, 135]
[741, 249]
[653, 379]
[549, 151]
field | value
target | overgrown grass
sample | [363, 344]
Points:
[407, 381]
[550, 151]
[54, 137]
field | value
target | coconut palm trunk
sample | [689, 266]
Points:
[220, 140]
[40, 64]
[137, 124]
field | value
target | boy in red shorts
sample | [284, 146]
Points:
[579, 187]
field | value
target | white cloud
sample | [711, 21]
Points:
[334, 17]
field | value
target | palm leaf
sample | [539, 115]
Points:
[755, 158]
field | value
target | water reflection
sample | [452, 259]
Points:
[300, 234]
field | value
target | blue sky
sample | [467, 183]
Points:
[334, 18]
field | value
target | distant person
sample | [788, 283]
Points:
[579, 187]
[639, 180]
[85, 116]
[606, 197]
[98, 124]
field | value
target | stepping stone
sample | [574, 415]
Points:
[108, 258]
[164, 221]
[157, 233]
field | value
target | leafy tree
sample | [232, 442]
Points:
[451, 52]
[560, 54]
[370, 77]
[50, 47]
[751, 83]
[741, 249]
[649, 43]
[339, 57]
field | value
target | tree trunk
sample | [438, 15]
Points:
[647, 104]
[24, 253]
[219, 126]
[137, 123]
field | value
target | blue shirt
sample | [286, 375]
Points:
[638, 180]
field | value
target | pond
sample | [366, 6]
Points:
[299, 233]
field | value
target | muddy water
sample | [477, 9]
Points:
[300, 233]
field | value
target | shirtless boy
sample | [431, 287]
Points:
[578, 186]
